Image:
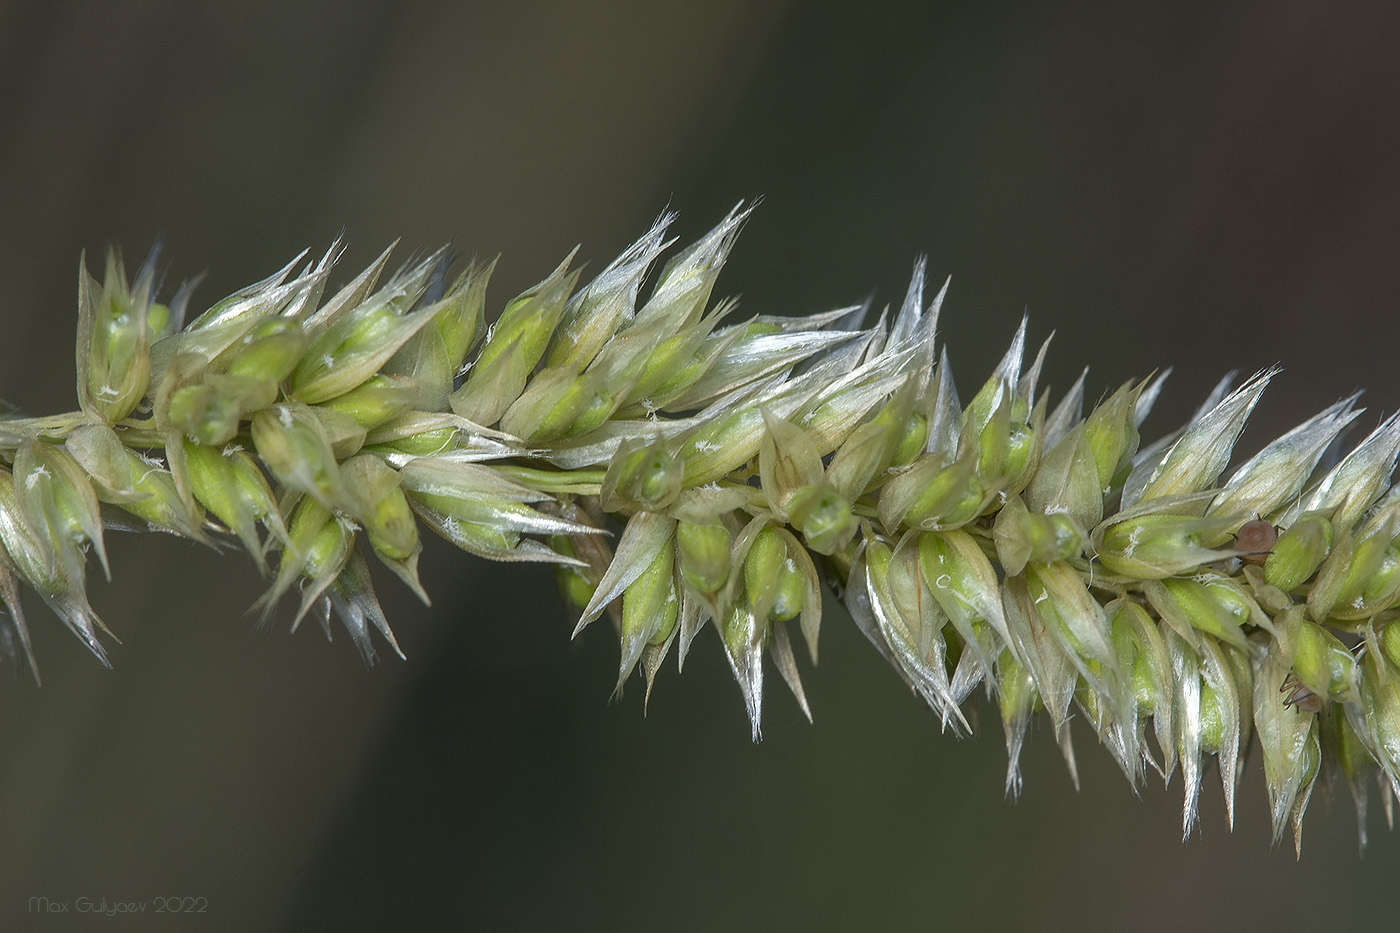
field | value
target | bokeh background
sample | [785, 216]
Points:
[1196, 185]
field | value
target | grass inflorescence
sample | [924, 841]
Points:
[683, 470]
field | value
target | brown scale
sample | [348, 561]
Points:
[1254, 542]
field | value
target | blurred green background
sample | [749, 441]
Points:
[1195, 185]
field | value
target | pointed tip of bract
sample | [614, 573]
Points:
[1150, 391]
[14, 632]
[713, 248]
[780, 649]
[80, 618]
[632, 649]
[914, 325]
[1009, 369]
[653, 656]
[356, 605]
[1067, 750]
[911, 310]
[747, 665]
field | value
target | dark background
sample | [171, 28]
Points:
[1192, 185]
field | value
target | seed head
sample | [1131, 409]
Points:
[684, 468]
